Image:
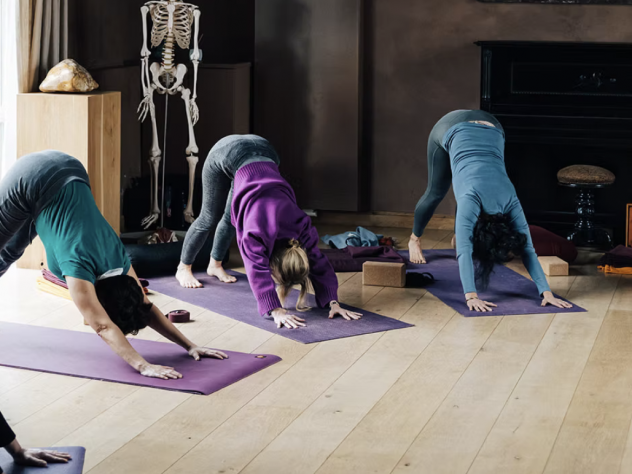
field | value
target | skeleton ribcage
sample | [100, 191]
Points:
[182, 22]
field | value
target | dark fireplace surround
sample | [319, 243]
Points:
[562, 104]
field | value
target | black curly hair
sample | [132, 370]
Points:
[123, 300]
[495, 241]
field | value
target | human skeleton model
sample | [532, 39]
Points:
[172, 22]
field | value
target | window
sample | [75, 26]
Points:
[2, 7]
[8, 84]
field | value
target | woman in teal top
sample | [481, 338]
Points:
[466, 149]
[48, 193]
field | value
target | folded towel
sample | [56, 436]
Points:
[52, 288]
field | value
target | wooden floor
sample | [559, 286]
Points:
[516, 394]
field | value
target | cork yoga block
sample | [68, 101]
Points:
[554, 266]
[384, 274]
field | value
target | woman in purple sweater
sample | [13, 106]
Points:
[243, 189]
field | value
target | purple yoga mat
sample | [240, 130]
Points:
[236, 301]
[513, 293]
[80, 354]
[72, 467]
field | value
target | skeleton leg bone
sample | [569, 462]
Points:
[154, 164]
[192, 158]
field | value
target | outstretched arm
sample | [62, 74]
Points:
[321, 272]
[85, 298]
[163, 326]
[26, 457]
[468, 211]
[322, 275]
[530, 259]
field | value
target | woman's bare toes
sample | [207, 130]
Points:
[186, 279]
[220, 274]
[414, 249]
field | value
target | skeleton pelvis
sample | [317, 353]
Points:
[168, 78]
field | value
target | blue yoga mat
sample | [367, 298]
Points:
[513, 293]
[236, 301]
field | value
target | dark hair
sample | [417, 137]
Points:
[494, 241]
[123, 300]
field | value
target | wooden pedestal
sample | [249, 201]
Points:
[85, 126]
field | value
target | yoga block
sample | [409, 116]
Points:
[553, 266]
[384, 274]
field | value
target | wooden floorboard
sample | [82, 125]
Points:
[525, 394]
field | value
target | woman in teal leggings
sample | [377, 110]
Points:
[466, 150]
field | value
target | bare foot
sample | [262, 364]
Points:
[453, 243]
[215, 269]
[414, 248]
[185, 276]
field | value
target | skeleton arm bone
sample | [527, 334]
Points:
[144, 52]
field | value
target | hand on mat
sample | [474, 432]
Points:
[40, 457]
[414, 250]
[548, 298]
[160, 372]
[348, 315]
[480, 306]
[288, 320]
[198, 352]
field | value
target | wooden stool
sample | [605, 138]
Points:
[586, 179]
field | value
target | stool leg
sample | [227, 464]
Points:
[586, 233]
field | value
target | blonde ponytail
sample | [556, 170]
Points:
[290, 265]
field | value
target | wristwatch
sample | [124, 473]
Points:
[333, 302]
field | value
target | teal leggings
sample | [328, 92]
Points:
[439, 170]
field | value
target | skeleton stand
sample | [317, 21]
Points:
[172, 23]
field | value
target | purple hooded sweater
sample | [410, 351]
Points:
[264, 211]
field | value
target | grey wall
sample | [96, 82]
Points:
[421, 64]
[308, 96]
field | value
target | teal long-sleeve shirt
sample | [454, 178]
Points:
[480, 181]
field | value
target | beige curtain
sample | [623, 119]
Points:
[42, 39]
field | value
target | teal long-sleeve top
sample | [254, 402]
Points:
[480, 181]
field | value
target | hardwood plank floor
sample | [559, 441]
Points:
[516, 394]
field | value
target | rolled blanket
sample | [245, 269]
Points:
[49, 276]
[548, 244]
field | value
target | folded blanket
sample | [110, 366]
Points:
[52, 288]
[618, 257]
[350, 259]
